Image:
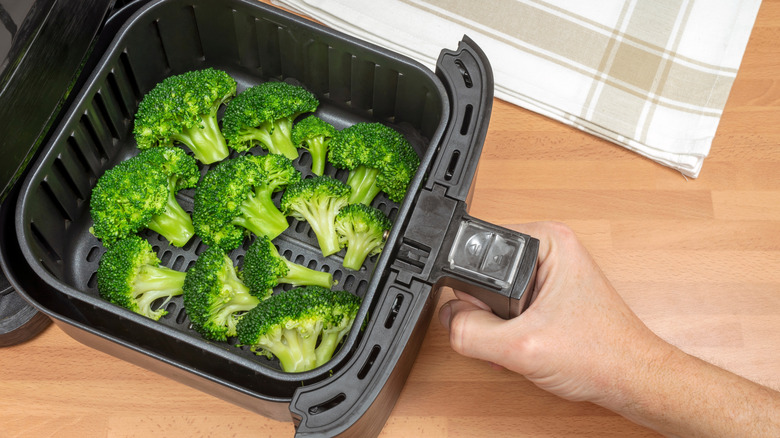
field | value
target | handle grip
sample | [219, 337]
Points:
[494, 264]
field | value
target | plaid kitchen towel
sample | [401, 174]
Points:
[650, 75]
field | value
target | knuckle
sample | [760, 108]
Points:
[562, 230]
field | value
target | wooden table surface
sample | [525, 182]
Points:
[697, 260]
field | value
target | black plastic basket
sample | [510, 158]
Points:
[433, 242]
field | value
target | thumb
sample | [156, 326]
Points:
[474, 331]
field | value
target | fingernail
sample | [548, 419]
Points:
[444, 315]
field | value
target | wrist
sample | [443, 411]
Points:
[646, 368]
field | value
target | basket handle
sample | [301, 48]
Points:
[468, 79]
[448, 247]
[493, 263]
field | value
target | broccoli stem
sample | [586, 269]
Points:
[359, 248]
[240, 302]
[154, 282]
[295, 352]
[250, 136]
[299, 275]
[330, 340]
[261, 216]
[205, 141]
[281, 139]
[362, 179]
[323, 226]
[319, 152]
[174, 223]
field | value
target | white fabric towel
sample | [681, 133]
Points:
[650, 75]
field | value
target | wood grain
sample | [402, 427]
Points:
[698, 260]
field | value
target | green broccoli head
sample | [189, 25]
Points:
[234, 199]
[379, 159]
[129, 275]
[314, 134]
[264, 114]
[214, 297]
[362, 230]
[279, 170]
[180, 168]
[140, 193]
[352, 146]
[301, 327]
[183, 108]
[264, 268]
[317, 200]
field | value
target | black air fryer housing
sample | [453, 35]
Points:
[44, 44]
[50, 257]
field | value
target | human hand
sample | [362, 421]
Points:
[578, 340]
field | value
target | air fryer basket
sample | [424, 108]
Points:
[443, 115]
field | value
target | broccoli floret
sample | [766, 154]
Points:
[235, 197]
[140, 193]
[129, 275]
[314, 134]
[279, 170]
[214, 297]
[264, 114]
[361, 229]
[183, 108]
[317, 200]
[264, 268]
[301, 327]
[379, 159]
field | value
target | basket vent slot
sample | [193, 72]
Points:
[181, 317]
[75, 144]
[55, 201]
[348, 281]
[369, 362]
[389, 209]
[92, 282]
[464, 72]
[467, 114]
[450, 172]
[158, 33]
[92, 133]
[267, 40]
[178, 263]
[391, 317]
[300, 226]
[169, 306]
[130, 77]
[313, 265]
[94, 254]
[67, 181]
[116, 93]
[45, 245]
[328, 405]
[165, 258]
[105, 115]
